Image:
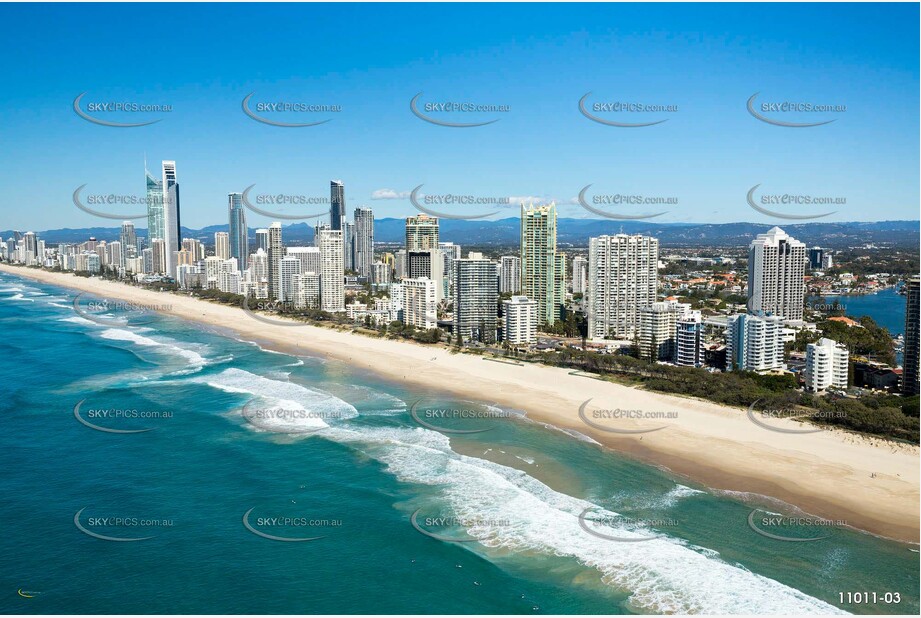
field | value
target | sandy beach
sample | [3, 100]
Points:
[871, 484]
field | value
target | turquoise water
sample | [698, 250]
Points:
[512, 494]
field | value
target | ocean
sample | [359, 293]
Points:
[259, 482]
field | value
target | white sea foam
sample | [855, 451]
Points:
[76, 319]
[19, 296]
[662, 575]
[280, 394]
[194, 359]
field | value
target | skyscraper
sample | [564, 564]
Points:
[622, 273]
[510, 274]
[776, 271]
[129, 240]
[289, 269]
[336, 204]
[579, 275]
[155, 214]
[540, 280]
[332, 270]
[262, 239]
[476, 298]
[910, 385]
[421, 233]
[222, 245]
[275, 253]
[171, 224]
[363, 243]
[239, 243]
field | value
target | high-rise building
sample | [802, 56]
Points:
[816, 257]
[309, 257]
[171, 224]
[826, 365]
[308, 291]
[420, 303]
[910, 384]
[658, 330]
[363, 243]
[381, 273]
[429, 264]
[540, 279]
[519, 320]
[579, 275]
[336, 204]
[289, 269]
[421, 233]
[239, 243]
[622, 272]
[222, 245]
[262, 239]
[476, 299]
[776, 271]
[259, 273]
[754, 343]
[129, 240]
[275, 253]
[155, 216]
[690, 344]
[348, 241]
[510, 274]
[332, 270]
[195, 248]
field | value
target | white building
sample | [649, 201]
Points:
[509, 274]
[689, 339]
[476, 298]
[754, 343]
[289, 270]
[658, 329]
[222, 245]
[332, 270]
[307, 291]
[519, 320]
[826, 365]
[776, 271]
[579, 275]
[420, 303]
[622, 273]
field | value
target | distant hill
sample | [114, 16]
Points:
[575, 232]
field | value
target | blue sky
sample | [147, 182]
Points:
[538, 60]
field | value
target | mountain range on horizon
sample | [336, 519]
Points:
[570, 232]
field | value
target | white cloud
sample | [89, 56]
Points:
[389, 194]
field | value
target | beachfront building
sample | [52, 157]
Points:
[910, 384]
[332, 270]
[689, 340]
[427, 263]
[509, 274]
[239, 242]
[542, 278]
[622, 272]
[259, 273]
[826, 365]
[308, 256]
[754, 343]
[129, 240]
[519, 320]
[449, 253]
[476, 298]
[658, 329]
[171, 224]
[363, 242]
[776, 275]
[275, 252]
[421, 233]
[420, 303]
[307, 291]
[289, 270]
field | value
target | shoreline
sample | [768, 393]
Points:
[826, 474]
